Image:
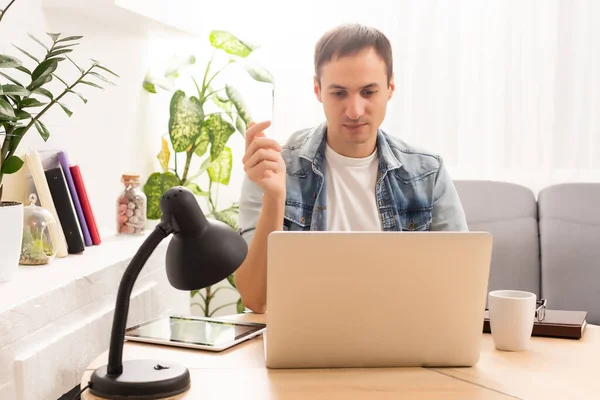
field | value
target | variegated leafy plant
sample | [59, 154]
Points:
[25, 98]
[196, 133]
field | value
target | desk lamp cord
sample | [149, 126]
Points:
[78, 395]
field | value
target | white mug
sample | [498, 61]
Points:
[512, 314]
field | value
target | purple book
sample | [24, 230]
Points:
[64, 163]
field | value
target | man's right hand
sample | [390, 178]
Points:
[263, 162]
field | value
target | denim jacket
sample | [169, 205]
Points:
[414, 191]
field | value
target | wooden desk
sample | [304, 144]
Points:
[552, 368]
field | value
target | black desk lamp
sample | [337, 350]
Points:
[201, 253]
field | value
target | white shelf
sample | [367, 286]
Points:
[114, 16]
[179, 17]
[31, 281]
[58, 317]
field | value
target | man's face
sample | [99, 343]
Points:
[354, 92]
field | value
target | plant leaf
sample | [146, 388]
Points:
[27, 54]
[44, 92]
[9, 61]
[11, 79]
[203, 168]
[75, 64]
[105, 69]
[41, 129]
[21, 115]
[31, 102]
[91, 84]
[19, 132]
[220, 169]
[78, 95]
[155, 186]
[240, 308]
[97, 75]
[239, 103]
[23, 69]
[65, 109]
[15, 90]
[60, 79]
[69, 38]
[259, 73]
[228, 216]
[185, 122]
[45, 68]
[240, 125]
[196, 189]
[39, 82]
[64, 46]
[223, 104]
[149, 87]
[176, 63]
[231, 281]
[164, 155]
[202, 142]
[55, 53]
[38, 41]
[11, 165]
[230, 44]
[219, 132]
[6, 111]
[54, 36]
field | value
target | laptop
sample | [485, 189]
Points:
[376, 299]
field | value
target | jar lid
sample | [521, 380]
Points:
[35, 212]
[130, 177]
[32, 200]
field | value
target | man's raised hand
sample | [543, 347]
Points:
[263, 162]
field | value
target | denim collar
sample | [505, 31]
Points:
[313, 149]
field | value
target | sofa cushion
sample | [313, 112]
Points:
[570, 243]
[509, 212]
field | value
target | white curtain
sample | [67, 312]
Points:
[503, 90]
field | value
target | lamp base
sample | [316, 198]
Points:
[141, 380]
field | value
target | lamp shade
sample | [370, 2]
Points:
[201, 252]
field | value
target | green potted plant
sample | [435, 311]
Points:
[200, 126]
[24, 100]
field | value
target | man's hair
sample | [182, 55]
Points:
[349, 39]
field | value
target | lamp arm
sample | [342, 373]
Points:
[117, 338]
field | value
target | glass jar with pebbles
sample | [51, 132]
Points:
[131, 206]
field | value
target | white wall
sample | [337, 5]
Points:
[503, 90]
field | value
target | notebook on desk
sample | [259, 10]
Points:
[556, 323]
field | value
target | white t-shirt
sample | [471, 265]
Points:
[351, 202]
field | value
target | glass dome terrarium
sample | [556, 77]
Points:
[37, 247]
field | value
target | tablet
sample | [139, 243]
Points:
[194, 332]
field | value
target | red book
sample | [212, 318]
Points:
[85, 204]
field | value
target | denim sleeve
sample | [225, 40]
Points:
[250, 208]
[448, 212]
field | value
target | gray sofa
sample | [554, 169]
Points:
[549, 246]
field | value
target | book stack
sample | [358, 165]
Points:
[60, 188]
[564, 324]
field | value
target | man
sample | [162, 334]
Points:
[345, 174]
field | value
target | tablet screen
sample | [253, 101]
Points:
[193, 330]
